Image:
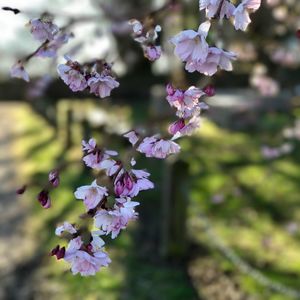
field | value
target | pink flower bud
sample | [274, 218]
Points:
[128, 181]
[170, 89]
[119, 188]
[21, 190]
[176, 126]
[209, 90]
[44, 199]
[53, 178]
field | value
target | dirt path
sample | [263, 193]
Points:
[14, 246]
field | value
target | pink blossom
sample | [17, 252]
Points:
[191, 45]
[216, 58]
[43, 30]
[18, 71]
[187, 129]
[102, 85]
[241, 13]
[96, 158]
[50, 49]
[85, 259]
[132, 137]
[214, 9]
[91, 195]
[183, 99]
[176, 126]
[158, 148]
[152, 52]
[130, 183]
[113, 221]
[66, 227]
[72, 76]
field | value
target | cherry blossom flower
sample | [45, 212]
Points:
[152, 52]
[132, 137]
[158, 148]
[130, 183]
[180, 128]
[102, 85]
[66, 227]
[217, 8]
[18, 71]
[113, 221]
[96, 158]
[241, 13]
[44, 199]
[72, 76]
[50, 48]
[85, 259]
[43, 30]
[216, 58]
[91, 195]
[191, 45]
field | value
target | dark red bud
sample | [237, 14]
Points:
[21, 190]
[209, 90]
[44, 199]
[298, 33]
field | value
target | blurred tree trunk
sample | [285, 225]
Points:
[174, 210]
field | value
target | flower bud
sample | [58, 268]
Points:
[21, 190]
[44, 199]
[53, 178]
[209, 90]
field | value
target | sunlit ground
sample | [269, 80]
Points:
[236, 197]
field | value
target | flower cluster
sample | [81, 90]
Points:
[52, 39]
[188, 109]
[85, 257]
[225, 9]
[111, 208]
[191, 47]
[147, 38]
[79, 77]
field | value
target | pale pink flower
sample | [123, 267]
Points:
[187, 129]
[176, 126]
[91, 195]
[158, 148]
[241, 13]
[183, 99]
[66, 227]
[102, 85]
[85, 260]
[216, 58]
[18, 71]
[50, 49]
[113, 221]
[152, 52]
[132, 137]
[191, 45]
[96, 158]
[217, 8]
[130, 183]
[163, 148]
[43, 30]
[72, 76]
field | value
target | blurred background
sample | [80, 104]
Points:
[223, 221]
